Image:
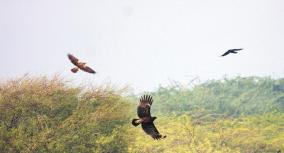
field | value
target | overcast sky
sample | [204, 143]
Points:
[142, 43]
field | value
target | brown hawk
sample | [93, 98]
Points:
[79, 65]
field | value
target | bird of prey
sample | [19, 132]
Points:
[145, 118]
[235, 51]
[79, 65]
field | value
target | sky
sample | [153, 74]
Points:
[143, 44]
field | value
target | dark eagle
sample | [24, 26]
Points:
[235, 51]
[145, 118]
[79, 65]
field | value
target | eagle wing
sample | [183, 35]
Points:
[143, 109]
[146, 99]
[88, 69]
[151, 130]
[73, 59]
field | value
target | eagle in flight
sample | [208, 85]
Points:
[235, 51]
[79, 65]
[145, 118]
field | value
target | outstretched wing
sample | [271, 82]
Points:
[88, 69]
[147, 99]
[150, 129]
[236, 49]
[143, 109]
[73, 59]
[226, 53]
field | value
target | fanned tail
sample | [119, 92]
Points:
[75, 69]
[135, 122]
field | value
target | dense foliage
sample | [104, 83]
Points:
[45, 115]
[244, 115]
[234, 97]
[250, 134]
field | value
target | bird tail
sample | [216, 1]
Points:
[75, 69]
[135, 122]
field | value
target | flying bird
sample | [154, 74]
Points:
[235, 51]
[145, 118]
[79, 65]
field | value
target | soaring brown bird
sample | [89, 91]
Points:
[79, 65]
[145, 118]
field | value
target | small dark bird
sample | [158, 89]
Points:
[79, 65]
[145, 118]
[235, 51]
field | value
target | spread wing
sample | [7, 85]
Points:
[236, 49]
[150, 129]
[226, 53]
[143, 109]
[88, 69]
[73, 59]
[146, 99]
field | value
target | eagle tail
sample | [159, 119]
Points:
[135, 122]
[75, 69]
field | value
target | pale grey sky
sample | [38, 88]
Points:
[142, 43]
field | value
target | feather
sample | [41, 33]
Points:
[73, 59]
[231, 51]
[151, 130]
[145, 118]
[80, 65]
[88, 69]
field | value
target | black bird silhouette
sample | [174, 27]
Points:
[145, 118]
[235, 51]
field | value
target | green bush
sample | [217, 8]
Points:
[38, 114]
[227, 97]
